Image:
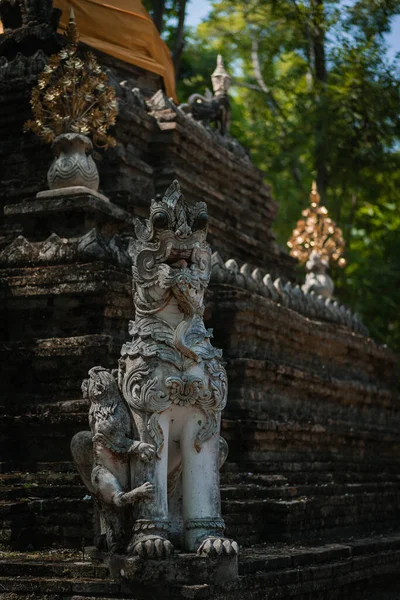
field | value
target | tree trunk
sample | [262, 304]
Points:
[320, 78]
[180, 37]
[158, 14]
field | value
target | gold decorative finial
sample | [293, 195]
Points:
[72, 95]
[71, 31]
[318, 233]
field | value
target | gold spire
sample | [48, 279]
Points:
[71, 32]
[317, 232]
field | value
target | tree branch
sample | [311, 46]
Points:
[259, 78]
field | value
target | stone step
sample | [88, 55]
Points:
[37, 491]
[298, 465]
[68, 568]
[37, 509]
[45, 585]
[21, 410]
[11, 467]
[41, 478]
[354, 569]
[249, 490]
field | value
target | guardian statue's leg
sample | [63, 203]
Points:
[200, 482]
[150, 529]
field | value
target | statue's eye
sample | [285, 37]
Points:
[200, 221]
[160, 220]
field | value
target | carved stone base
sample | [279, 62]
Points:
[181, 569]
[72, 190]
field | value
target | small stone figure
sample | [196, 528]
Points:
[317, 278]
[215, 109]
[102, 455]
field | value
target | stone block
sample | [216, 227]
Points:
[181, 569]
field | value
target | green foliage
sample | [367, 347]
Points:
[325, 106]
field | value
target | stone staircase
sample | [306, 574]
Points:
[355, 569]
[48, 508]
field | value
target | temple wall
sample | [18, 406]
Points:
[313, 412]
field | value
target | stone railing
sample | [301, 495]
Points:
[291, 296]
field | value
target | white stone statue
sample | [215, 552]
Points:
[317, 278]
[173, 381]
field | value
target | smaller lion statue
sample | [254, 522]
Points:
[103, 456]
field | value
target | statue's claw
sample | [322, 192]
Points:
[146, 452]
[215, 546]
[153, 546]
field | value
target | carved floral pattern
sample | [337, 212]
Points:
[172, 264]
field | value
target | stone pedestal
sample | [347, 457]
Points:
[181, 569]
[68, 212]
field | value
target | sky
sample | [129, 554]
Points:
[198, 9]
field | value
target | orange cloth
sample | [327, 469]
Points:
[123, 29]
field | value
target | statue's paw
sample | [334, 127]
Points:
[145, 491]
[146, 452]
[216, 546]
[153, 546]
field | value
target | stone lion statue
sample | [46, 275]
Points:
[172, 387]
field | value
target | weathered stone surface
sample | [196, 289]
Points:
[267, 572]
[258, 281]
[182, 569]
[68, 215]
[312, 417]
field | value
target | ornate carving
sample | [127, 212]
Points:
[175, 386]
[307, 302]
[317, 242]
[73, 164]
[170, 374]
[72, 96]
[71, 100]
[56, 250]
[205, 524]
[103, 456]
[215, 109]
[171, 264]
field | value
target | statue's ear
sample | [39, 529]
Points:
[85, 388]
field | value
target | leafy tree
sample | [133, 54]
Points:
[316, 97]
